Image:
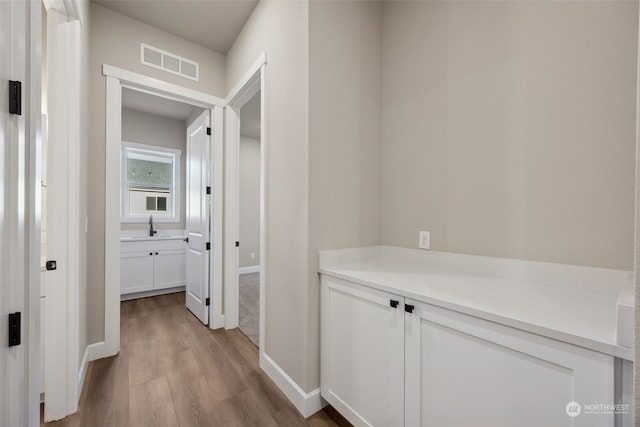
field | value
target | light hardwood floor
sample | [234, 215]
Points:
[173, 371]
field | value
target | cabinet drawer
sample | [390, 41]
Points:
[152, 245]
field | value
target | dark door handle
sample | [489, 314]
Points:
[408, 308]
[393, 303]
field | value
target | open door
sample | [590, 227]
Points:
[197, 217]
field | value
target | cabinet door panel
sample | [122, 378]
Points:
[464, 371]
[136, 272]
[362, 353]
[170, 269]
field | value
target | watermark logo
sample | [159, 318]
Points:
[573, 409]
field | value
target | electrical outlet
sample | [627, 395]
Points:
[253, 255]
[424, 240]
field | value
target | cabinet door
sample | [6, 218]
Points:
[462, 371]
[136, 271]
[169, 269]
[362, 351]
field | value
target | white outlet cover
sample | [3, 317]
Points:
[424, 240]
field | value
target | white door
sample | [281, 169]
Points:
[12, 150]
[362, 359]
[462, 371]
[198, 206]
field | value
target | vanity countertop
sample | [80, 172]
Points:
[142, 236]
[574, 304]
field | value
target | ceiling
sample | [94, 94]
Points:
[250, 118]
[140, 101]
[211, 23]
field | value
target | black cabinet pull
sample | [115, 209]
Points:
[408, 308]
[156, 253]
[393, 303]
[150, 253]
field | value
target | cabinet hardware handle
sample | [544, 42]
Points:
[150, 253]
[408, 308]
[393, 303]
[156, 253]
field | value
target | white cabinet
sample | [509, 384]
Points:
[423, 365]
[152, 265]
[464, 371]
[362, 353]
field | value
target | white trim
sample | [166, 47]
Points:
[263, 208]
[251, 83]
[82, 373]
[247, 270]
[216, 318]
[97, 350]
[306, 403]
[191, 96]
[153, 293]
[113, 126]
[117, 78]
[251, 72]
[231, 201]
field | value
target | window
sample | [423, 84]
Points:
[150, 183]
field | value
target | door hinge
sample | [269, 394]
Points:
[208, 131]
[14, 328]
[208, 246]
[208, 190]
[15, 97]
[237, 244]
[408, 308]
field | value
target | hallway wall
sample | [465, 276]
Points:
[509, 128]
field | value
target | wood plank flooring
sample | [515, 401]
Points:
[173, 371]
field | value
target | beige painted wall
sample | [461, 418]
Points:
[345, 59]
[249, 184]
[151, 129]
[115, 40]
[281, 29]
[509, 128]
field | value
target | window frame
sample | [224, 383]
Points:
[175, 154]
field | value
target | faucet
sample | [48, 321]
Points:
[151, 230]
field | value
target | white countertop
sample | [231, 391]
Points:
[142, 236]
[566, 313]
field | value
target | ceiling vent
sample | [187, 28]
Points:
[174, 64]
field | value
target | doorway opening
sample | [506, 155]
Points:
[166, 180]
[249, 178]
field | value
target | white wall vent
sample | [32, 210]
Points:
[169, 62]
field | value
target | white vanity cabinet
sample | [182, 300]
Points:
[152, 265]
[390, 360]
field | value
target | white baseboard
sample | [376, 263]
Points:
[97, 351]
[83, 371]
[306, 403]
[246, 270]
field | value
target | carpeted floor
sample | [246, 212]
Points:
[250, 306]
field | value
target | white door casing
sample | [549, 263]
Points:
[62, 364]
[197, 217]
[116, 79]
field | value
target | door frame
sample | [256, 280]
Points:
[63, 371]
[253, 81]
[116, 79]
